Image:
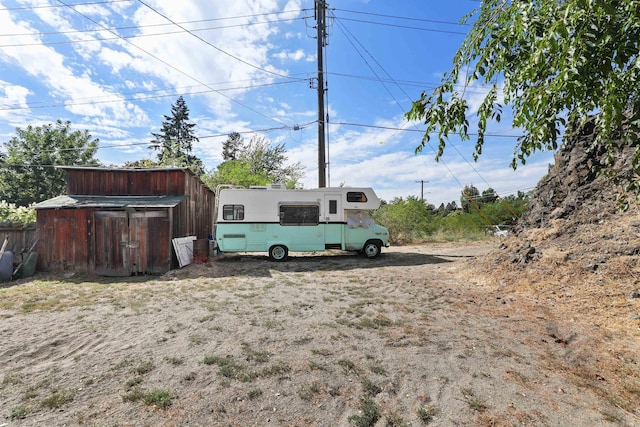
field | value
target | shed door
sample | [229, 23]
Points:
[131, 243]
[111, 236]
[150, 242]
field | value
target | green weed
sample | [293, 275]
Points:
[427, 413]
[143, 368]
[369, 413]
[18, 412]
[158, 398]
[474, 402]
[58, 399]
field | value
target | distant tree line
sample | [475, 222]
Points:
[414, 220]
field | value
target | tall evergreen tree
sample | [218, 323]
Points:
[175, 139]
[232, 147]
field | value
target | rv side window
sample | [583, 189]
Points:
[233, 212]
[353, 196]
[299, 215]
[333, 207]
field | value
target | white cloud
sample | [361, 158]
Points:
[115, 58]
[52, 69]
[13, 103]
[235, 53]
[13, 95]
[296, 55]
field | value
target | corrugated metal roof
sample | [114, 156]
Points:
[110, 202]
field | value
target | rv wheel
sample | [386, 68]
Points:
[371, 249]
[278, 252]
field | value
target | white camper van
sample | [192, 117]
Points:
[276, 220]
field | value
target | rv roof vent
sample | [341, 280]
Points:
[275, 187]
[258, 187]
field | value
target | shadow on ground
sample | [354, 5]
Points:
[253, 265]
[259, 265]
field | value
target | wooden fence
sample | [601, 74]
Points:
[20, 239]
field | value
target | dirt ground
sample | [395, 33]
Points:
[415, 337]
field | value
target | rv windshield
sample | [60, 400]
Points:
[359, 218]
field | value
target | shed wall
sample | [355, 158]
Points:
[64, 239]
[68, 238]
[125, 182]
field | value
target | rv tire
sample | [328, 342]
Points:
[371, 249]
[278, 252]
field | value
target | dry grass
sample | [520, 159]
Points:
[579, 285]
[412, 338]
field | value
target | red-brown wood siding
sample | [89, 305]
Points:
[111, 231]
[132, 242]
[159, 243]
[94, 240]
[126, 182]
[64, 239]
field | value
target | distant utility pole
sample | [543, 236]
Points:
[422, 181]
[320, 12]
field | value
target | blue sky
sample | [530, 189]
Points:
[115, 67]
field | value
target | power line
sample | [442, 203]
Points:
[399, 82]
[212, 45]
[431, 21]
[397, 103]
[95, 100]
[91, 101]
[493, 135]
[134, 144]
[132, 36]
[170, 65]
[402, 26]
[48, 6]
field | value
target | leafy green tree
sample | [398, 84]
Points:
[28, 172]
[469, 198]
[263, 156]
[175, 139]
[488, 196]
[236, 172]
[557, 64]
[408, 220]
[21, 215]
[144, 163]
[258, 162]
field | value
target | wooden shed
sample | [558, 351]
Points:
[119, 222]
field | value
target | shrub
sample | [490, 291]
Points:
[17, 215]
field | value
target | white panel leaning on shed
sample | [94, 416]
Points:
[276, 220]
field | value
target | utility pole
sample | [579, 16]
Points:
[421, 181]
[320, 12]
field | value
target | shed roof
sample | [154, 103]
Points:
[121, 169]
[110, 202]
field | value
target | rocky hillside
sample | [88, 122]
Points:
[575, 243]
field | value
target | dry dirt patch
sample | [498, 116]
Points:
[412, 338]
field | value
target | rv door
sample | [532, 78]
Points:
[332, 216]
[332, 208]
